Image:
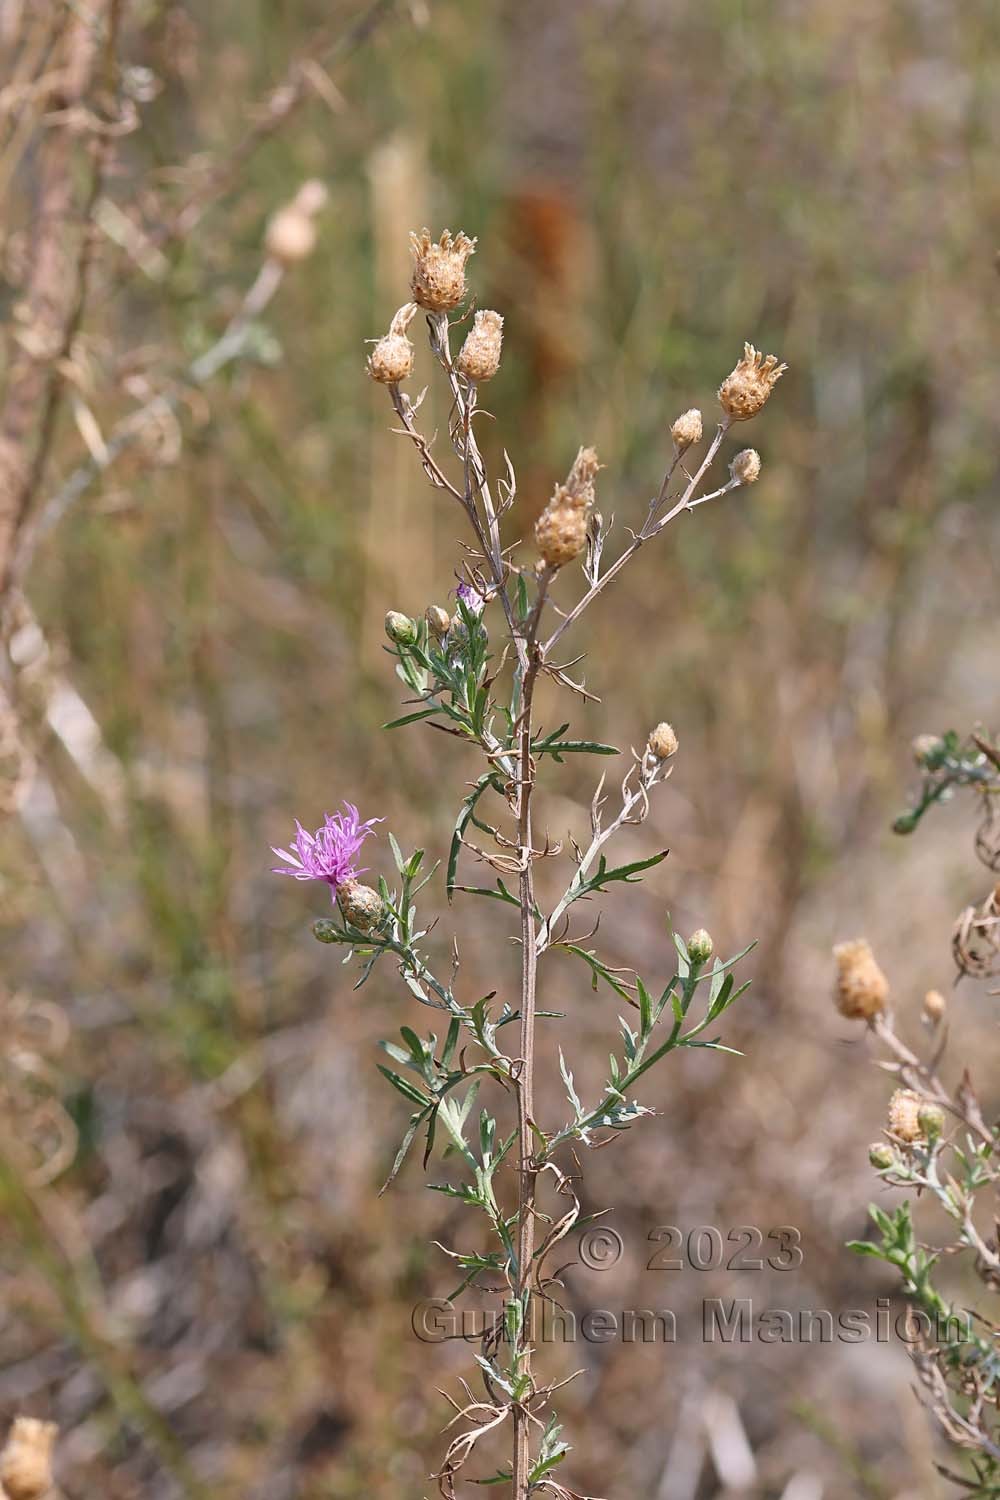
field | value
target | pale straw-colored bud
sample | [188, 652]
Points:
[438, 280]
[931, 1120]
[861, 990]
[438, 620]
[904, 1115]
[745, 467]
[700, 946]
[291, 235]
[687, 429]
[935, 1007]
[662, 742]
[479, 358]
[391, 360]
[881, 1155]
[746, 389]
[360, 906]
[561, 529]
[311, 197]
[26, 1459]
[925, 748]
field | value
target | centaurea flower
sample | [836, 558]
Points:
[328, 854]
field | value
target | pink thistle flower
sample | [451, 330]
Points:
[328, 854]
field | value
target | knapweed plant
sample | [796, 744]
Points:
[937, 1141]
[472, 669]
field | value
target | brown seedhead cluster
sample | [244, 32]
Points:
[479, 356]
[26, 1460]
[743, 393]
[745, 467]
[561, 529]
[438, 281]
[861, 990]
[686, 430]
[663, 742]
[391, 360]
[904, 1116]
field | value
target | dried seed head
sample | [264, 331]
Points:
[360, 906]
[560, 534]
[687, 429]
[745, 467]
[479, 358]
[700, 946]
[438, 280]
[438, 620]
[931, 1121]
[561, 529]
[904, 1115]
[744, 392]
[400, 628]
[881, 1155]
[861, 990]
[291, 235]
[926, 748]
[26, 1459]
[391, 360]
[662, 742]
[935, 1006]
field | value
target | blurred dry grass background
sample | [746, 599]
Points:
[211, 1299]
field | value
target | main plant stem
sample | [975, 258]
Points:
[525, 1089]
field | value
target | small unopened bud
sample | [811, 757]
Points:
[881, 1155]
[746, 389]
[479, 358]
[400, 628]
[927, 750]
[935, 1007]
[745, 467]
[904, 1115]
[26, 1459]
[325, 930]
[686, 429]
[438, 280]
[291, 236]
[700, 946]
[391, 360]
[438, 620]
[662, 742]
[361, 907]
[931, 1121]
[861, 990]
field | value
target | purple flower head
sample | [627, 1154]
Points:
[330, 852]
[474, 601]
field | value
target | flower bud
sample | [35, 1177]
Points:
[479, 358]
[881, 1156]
[26, 1459]
[686, 429]
[360, 906]
[861, 990]
[930, 1118]
[745, 467]
[746, 389]
[438, 280]
[438, 620]
[700, 946]
[935, 1007]
[391, 360]
[662, 742]
[400, 628]
[927, 750]
[291, 236]
[905, 1108]
[325, 930]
